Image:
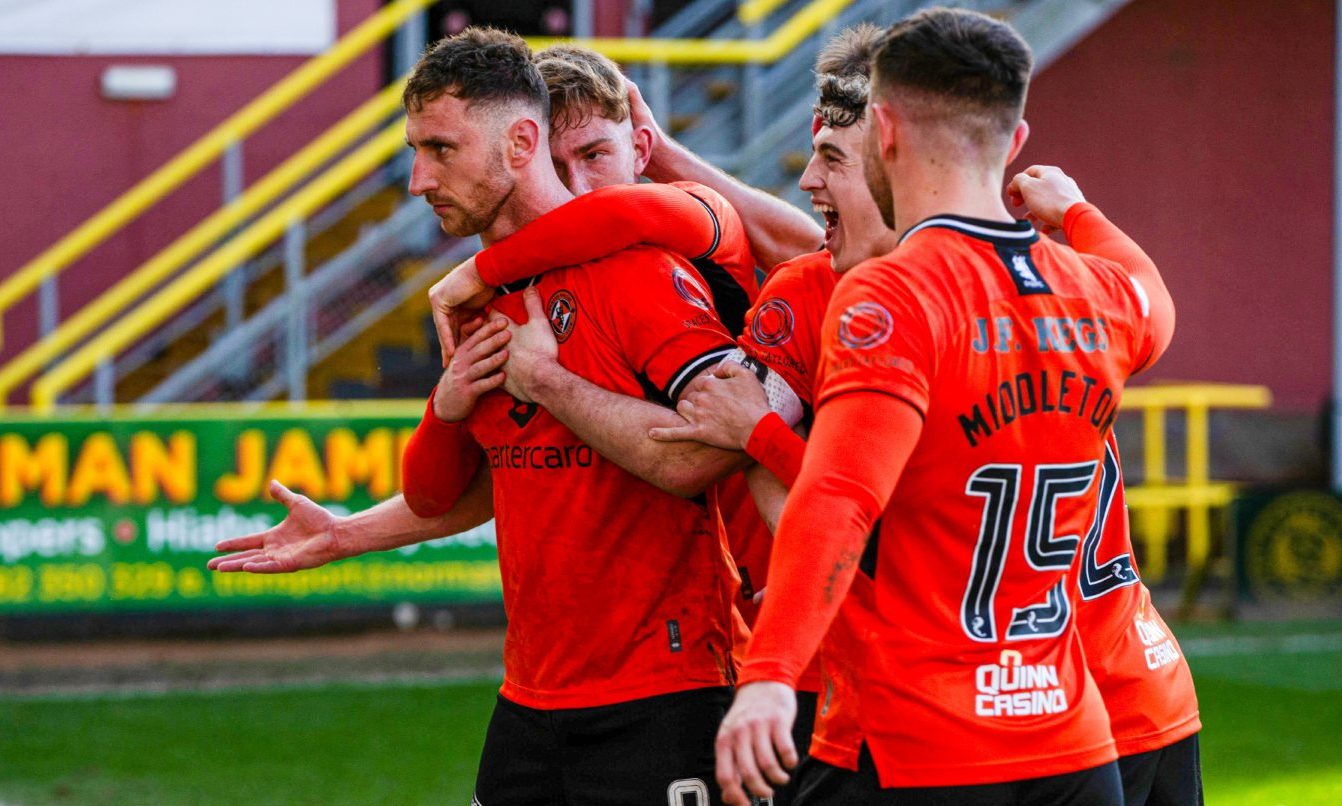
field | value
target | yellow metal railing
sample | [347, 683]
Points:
[152, 312]
[204, 152]
[116, 300]
[167, 301]
[752, 12]
[801, 25]
[1158, 496]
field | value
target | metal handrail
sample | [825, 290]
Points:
[154, 310]
[144, 317]
[153, 188]
[752, 12]
[198, 239]
[801, 25]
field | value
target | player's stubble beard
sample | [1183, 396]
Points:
[873, 170]
[486, 199]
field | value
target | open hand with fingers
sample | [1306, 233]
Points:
[455, 298]
[532, 350]
[473, 369]
[306, 538]
[1046, 193]
[754, 747]
[720, 409]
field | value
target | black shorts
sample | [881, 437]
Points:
[1170, 776]
[657, 750]
[825, 785]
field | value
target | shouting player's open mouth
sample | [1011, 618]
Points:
[831, 216]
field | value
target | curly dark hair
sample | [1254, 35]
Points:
[480, 64]
[843, 73]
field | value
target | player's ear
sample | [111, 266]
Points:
[883, 126]
[523, 138]
[1018, 138]
[642, 148]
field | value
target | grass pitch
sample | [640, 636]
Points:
[1271, 705]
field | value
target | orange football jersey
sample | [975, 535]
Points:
[613, 587]
[969, 667]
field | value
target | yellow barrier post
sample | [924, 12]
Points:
[1155, 520]
[1199, 474]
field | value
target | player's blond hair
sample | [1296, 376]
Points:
[582, 84]
[843, 75]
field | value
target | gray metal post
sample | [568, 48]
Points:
[584, 24]
[104, 383]
[637, 15]
[752, 83]
[48, 306]
[296, 345]
[658, 94]
[410, 40]
[1337, 253]
[235, 283]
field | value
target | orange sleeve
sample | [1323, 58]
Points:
[859, 447]
[439, 462]
[601, 223]
[777, 447]
[1089, 232]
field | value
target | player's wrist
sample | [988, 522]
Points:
[344, 539]
[543, 380]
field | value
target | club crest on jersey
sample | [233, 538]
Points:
[562, 310]
[691, 290]
[865, 325]
[772, 324]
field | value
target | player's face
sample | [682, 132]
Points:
[878, 184]
[598, 154]
[834, 178]
[459, 165]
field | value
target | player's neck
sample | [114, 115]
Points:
[535, 194]
[927, 189]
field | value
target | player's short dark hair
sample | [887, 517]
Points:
[843, 75]
[478, 65]
[955, 62]
[581, 83]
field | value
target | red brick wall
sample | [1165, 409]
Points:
[1206, 131]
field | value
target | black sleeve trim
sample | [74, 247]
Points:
[691, 369]
[717, 229]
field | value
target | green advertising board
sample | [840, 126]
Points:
[120, 513]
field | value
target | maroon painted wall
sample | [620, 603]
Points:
[1205, 130]
[65, 152]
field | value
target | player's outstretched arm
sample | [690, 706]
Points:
[858, 448]
[777, 230]
[1055, 203]
[614, 425]
[311, 536]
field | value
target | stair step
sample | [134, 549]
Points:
[794, 162]
[679, 123]
[720, 89]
